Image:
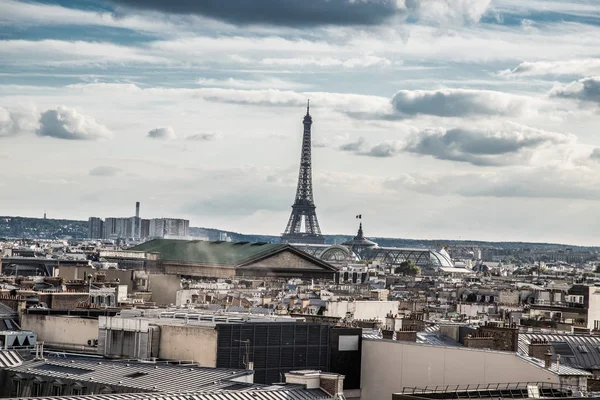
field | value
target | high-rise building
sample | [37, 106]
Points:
[168, 227]
[95, 226]
[304, 209]
[117, 228]
[144, 228]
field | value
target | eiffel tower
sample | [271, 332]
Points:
[304, 206]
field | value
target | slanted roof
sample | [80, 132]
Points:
[577, 351]
[220, 253]
[138, 376]
[267, 393]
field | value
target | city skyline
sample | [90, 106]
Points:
[432, 119]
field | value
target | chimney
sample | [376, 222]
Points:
[390, 322]
[387, 334]
[548, 360]
[137, 209]
[538, 348]
[330, 382]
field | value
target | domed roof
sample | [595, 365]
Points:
[360, 240]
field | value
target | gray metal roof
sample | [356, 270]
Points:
[557, 368]
[7, 311]
[138, 376]
[10, 358]
[585, 348]
[270, 393]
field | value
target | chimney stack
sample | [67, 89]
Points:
[548, 360]
[137, 209]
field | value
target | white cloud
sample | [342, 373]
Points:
[449, 11]
[164, 133]
[550, 182]
[267, 83]
[364, 61]
[203, 137]
[105, 170]
[66, 123]
[60, 52]
[584, 67]
[17, 120]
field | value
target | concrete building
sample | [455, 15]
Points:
[63, 332]
[95, 228]
[390, 366]
[274, 345]
[168, 228]
[360, 309]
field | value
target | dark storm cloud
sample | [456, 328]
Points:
[510, 145]
[481, 147]
[277, 12]
[456, 103]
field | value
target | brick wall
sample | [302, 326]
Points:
[329, 385]
[16, 303]
[63, 301]
[505, 338]
[387, 334]
[539, 349]
[479, 342]
[406, 336]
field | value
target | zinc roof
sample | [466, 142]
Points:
[217, 253]
[256, 394]
[200, 251]
[139, 376]
[585, 348]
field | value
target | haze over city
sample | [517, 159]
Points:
[465, 119]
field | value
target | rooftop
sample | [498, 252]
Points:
[219, 252]
[138, 376]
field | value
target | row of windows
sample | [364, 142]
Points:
[36, 388]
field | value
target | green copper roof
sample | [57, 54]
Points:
[203, 252]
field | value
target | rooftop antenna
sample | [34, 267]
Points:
[308, 107]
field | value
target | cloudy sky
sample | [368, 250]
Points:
[458, 119]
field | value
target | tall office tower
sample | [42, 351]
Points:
[117, 228]
[95, 227]
[304, 207]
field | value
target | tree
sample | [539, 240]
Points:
[407, 268]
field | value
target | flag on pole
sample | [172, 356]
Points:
[359, 216]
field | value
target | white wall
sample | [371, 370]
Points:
[361, 309]
[67, 331]
[594, 307]
[389, 366]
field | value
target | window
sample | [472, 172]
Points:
[348, 343]
[16, 388]
[582, 349]
[136, 375]
[37, 388]
[57, 390]
[76, 391]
